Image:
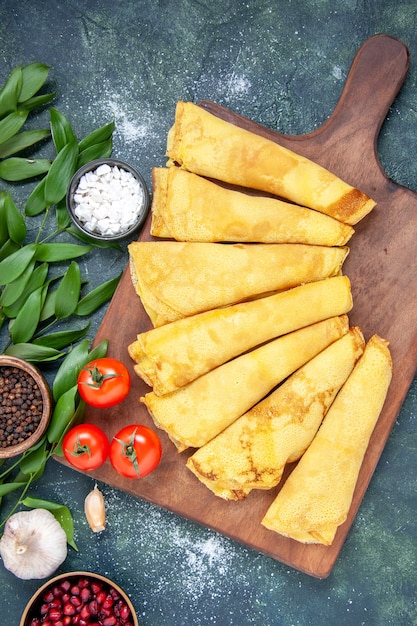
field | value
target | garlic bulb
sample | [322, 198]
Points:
[33, 545]
[94, 509]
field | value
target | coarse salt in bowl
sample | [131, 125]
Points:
[107, 199]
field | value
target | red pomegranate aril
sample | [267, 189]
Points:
[76, 619]
[105, 612]
[96, 587]
[69, 609]
[65, 585]
[55, 603]
[75, 590]
[114, 594]
[83, 582]
[124, 612]
[48, 596]
[85, 612]
[85, 594]
[65, 597]
[35, 621]
[108, 602]
[101, 596]
[109, 621]
[76, 601]
[44, 609]
[93, 606]
[57, 591]
[67, 620]
[54, 614]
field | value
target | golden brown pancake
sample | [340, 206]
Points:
[187, 207]
[316, 497]
[175, 280]
[204, 144]
[194, 414]
[174, 354]
[253, 451]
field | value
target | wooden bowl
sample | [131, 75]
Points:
[32, 607]
[33, 372]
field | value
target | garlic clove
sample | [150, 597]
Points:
[94, 508]
[33, 544]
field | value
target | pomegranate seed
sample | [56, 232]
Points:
[85, 594]
[67, 620]
[59, 623]
[108, 602]
[124, 611]
[114, 594]
[55, 603]
[110, 621]
[75, 590]
[83, 582]
[85, 612]
[76, 601]
[65, 597]
[105, 612]
[35, 621]
[93, 606]
[48, 596]
[54, 615]
[101, 596]
[76, 619]
[65, 585]
[96, 586]
[69, 609]
[57, 591]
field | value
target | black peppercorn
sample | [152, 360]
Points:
[21, 406]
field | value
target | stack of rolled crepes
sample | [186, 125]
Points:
[251, 359]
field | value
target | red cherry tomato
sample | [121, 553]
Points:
[104, 382]
[135, 451]
[85, 446]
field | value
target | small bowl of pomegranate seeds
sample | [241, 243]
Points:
[80, 598]
[25, 406]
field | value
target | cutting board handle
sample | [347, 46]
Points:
[374, 80]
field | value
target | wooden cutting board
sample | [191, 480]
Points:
[381, 267]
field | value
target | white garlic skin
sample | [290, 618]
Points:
[33, 545]
[95, 510]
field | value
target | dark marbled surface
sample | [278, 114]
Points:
[282, 64]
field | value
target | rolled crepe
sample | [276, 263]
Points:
[316, 497]
[173, 355]
[175, 280]
[187, 207]
[253, 451]
[207, 145]
[196, 413]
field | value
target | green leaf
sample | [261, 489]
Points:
[61, 130]
[4, 233]
[33, 353]
[67, 374]
[62, 217]
[27, 320]
[36, 202]
[34, 460]
[98, 151]
[52, 252]
[62, 415]
[36, 102]
[12, 266]
[62, 170]
[9, 487]
[11, 124]
[34, 76]
[68, 292]
[97, 297]
[21, 141]
[76, 359]
[10, 91]
[37, 280]
[97, 136]
[61, 339]
[8, 248]
[17, 168]
[15, 223]
[13, 291]
[61, 513]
